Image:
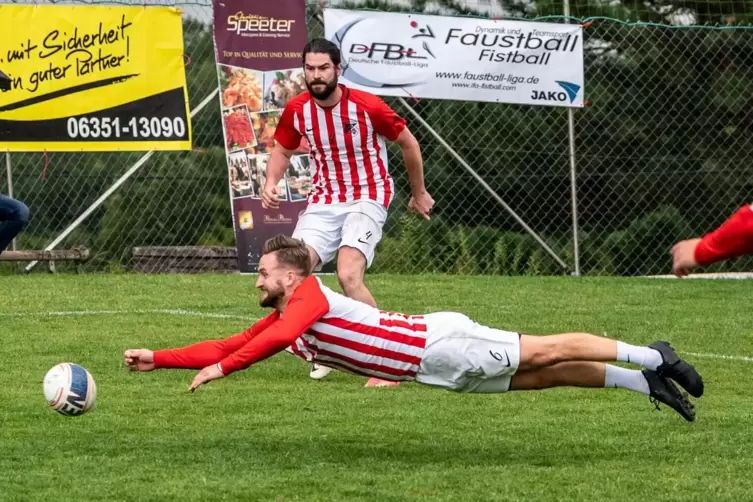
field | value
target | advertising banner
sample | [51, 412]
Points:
[92, 78]
[259, 47]
[459, 58]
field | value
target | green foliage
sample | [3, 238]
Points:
[639, 249]
[664, 140]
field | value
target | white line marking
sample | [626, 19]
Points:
[181, 312]
[213, 315]
[744, 359]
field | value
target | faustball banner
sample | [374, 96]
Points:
[93, 78]
[456, 58]
[259, 47]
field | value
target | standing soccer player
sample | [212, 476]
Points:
[732, 239]
[351, 187]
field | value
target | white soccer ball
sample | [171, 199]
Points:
[70, 389]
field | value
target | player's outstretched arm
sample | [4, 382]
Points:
[139, 359]
[195, 356]
[299, 316]
[732, 239]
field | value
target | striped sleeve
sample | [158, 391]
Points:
[386, 122]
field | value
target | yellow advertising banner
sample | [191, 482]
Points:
[93, 78]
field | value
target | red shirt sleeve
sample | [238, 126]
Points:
[307, 305]
[285, 133]
[732, 239]
[386, 122]
[203, 354]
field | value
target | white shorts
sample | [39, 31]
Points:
[464, 356]
[328, 227]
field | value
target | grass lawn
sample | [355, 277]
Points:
[272, 433]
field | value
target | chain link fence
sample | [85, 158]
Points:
[661, 153]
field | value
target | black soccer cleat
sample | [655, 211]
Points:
[678, 370]
[664, 390]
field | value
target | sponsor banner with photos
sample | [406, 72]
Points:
[88, 78]
[259, 48]
[459, 58]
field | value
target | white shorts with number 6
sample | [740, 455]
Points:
[328, 227]
[464, 356]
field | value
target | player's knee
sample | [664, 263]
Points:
[537, 352]
[350, 278]
[350, 268]
[22, 213]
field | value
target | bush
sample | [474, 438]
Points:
[436, 247]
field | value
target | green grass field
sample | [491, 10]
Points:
[271, 433]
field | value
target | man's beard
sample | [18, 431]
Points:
[324, 94]
[271, 299]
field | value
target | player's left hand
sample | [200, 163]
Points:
[422, 204]
[206, 375]
[683, 257]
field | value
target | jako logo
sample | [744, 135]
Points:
[570, 88]
[571, 91]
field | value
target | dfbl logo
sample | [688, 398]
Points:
[394, 51]
[389, 51]
[570, 92]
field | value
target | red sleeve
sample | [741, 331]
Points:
[732, 239]
[206, 353]
[386, 122]
[307, 305]
[285, 133]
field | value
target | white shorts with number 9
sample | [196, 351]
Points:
[464, 356]
[328, 227]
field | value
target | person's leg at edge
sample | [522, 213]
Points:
[14, 215]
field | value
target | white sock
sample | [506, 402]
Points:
[642, 356]
[621, 378]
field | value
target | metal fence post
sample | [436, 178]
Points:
[571, 156]
[9, 171]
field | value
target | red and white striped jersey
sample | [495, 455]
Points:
[357, 338]
[318, 325]
[348, 151]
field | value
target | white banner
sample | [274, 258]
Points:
[458, 58]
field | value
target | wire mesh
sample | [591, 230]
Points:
[660, 155]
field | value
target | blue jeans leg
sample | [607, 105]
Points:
[14, 215]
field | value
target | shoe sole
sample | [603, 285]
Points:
[677, 369]
[687, 410]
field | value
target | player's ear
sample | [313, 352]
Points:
[289, 277]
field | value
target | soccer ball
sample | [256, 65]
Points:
[70, 389]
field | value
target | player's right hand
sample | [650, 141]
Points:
[270, 196]
[683, 257]
[139, 359]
